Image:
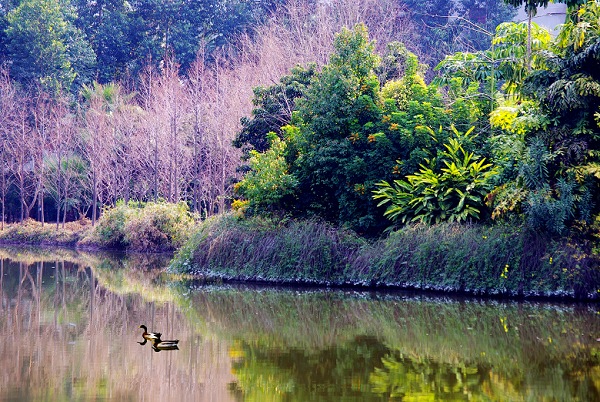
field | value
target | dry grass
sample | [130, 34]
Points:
[31, 231]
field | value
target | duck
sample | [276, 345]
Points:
[149, 336]
[159, 345]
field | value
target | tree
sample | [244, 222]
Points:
[268, 182]
[45, 48]
[273, 107]
[110, 27]
[25, 159]
[531, 7]
[337, 116]
[42, 118]
[569, 93]
[96, 138]
[8, 105]
[62, 146]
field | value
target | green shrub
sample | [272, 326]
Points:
[110, 229]
[152, 226]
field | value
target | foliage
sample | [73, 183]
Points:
[531, 6]
[339, 149]
[450, 187]
[348, 132]
[519, 117]
[546, 213]
[152, 226]
[268, 182]
[273, 108]
[45, 48]
[569, 90]
[440, 34]
[73, 173]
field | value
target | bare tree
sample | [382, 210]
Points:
[61, 152]
[23, 152]
[42, 111]
[8, 103]
[96, 143]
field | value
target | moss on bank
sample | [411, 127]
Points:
[490, 260]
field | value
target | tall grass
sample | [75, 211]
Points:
[476, 259]
[261, 249]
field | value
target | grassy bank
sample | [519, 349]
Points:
[482, 260]
[140, 227]
[31, 232]
[496, 260]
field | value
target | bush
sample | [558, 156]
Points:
[152, 226]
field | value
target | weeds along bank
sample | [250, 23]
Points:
[476, 259]
[492, 260]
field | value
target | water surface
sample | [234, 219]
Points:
[69, 324]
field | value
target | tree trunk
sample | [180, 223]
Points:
[529, 17]
[94, 198]
[41, 203]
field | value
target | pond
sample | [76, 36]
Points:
[69, 324]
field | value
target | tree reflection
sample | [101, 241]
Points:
[69, 323]
[331, 374]
[67, 337]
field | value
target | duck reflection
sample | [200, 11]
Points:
[165, 345]
[157, 343]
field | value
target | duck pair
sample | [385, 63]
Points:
[157, 343]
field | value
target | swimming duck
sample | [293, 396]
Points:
[149, 336]
[159, 345]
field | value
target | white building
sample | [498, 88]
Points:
[549, 17]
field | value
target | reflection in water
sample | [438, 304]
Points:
[67, 337]
[69, 323]
[158, 346]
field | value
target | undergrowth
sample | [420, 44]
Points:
[147, 227]
[476, 259]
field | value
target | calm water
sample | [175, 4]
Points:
[69, 327]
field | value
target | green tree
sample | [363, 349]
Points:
[45, 48]
[531, 7]
[569, 92]
[110, 26]
[268, 182]
[273, 107]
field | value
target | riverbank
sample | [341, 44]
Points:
[32, 232]
[500, 260]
